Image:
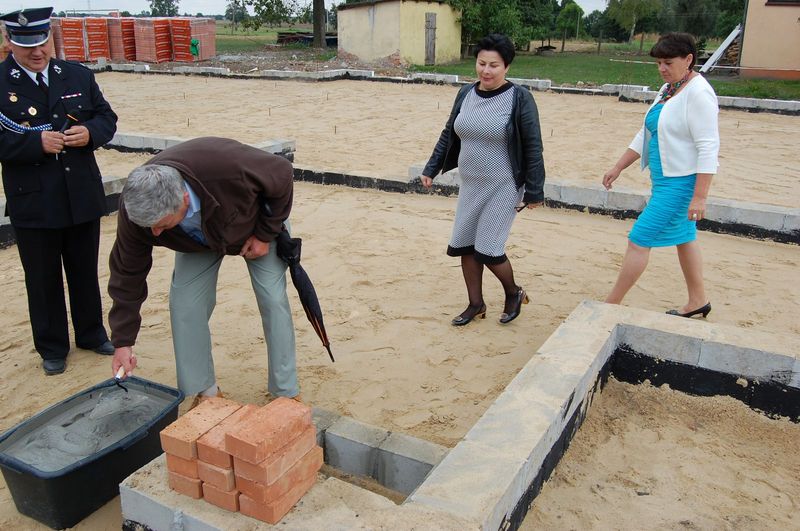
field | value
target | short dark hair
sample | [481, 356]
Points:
[674, 45]
[497, 42]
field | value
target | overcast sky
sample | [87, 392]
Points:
[207, 7]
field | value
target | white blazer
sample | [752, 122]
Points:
[688, 132]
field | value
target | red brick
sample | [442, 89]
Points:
[307, 466]
[273, 512]
[187, 486]
[211, 446]
[267, 430]
[267, 471]
[221, 478]
[184, 467]
[228, 500]
[180, 437]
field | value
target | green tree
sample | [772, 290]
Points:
[569, 18]
[731, 13]
[237, 13]
[164, 8]
[481, 17]
[627, 13]
[538, 18]
[270, 12]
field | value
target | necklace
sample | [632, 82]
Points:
[673, 87]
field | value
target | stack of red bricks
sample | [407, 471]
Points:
[57, 38]
[256, 460]
[186, 29]
[97, 45]
[73, 38]
[153, 40]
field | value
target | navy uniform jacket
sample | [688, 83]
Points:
[42, 190]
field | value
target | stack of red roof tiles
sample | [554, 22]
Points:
[256, 460]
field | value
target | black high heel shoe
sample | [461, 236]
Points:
[705, 310]
[472, 312]
[522, 298]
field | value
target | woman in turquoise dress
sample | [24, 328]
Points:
[679, 141]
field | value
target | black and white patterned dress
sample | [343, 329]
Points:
[488, 194]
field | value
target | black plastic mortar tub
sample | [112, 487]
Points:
[64, 497]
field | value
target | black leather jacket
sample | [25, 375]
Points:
[524, 144]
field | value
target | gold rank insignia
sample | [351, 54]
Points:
[25, 124]
[32, 111]
[12, 97]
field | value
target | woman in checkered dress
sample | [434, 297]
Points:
[494, 138]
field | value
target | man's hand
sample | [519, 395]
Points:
[76, 136]
[123, 357]
[426, 181]
[52, 142]
[254, 248]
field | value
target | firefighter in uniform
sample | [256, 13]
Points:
[52, 118]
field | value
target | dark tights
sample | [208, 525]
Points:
[473, 278]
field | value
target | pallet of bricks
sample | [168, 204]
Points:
[97, 45]
[184, 30]
[69, 38]
[256, 460]
[121, 39]
[153, 40]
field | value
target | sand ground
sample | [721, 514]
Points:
[377, 259]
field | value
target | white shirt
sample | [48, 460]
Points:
[688, 132]
[32, 74]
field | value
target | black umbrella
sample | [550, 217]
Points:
[289, 251]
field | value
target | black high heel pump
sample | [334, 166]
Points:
[705, 310]
[522, 298]
[469, 314]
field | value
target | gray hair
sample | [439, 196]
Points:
[151, 193]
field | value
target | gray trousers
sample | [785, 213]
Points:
[192, 297]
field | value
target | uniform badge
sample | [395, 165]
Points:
[12, 97]
[15, 73]
[57, 69]
[25, 124]
[32, 111]
[22, 20]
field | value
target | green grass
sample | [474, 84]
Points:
[592, 69]
[243, 41]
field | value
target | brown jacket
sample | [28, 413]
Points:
[233, 181]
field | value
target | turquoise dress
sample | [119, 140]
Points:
[664, 221]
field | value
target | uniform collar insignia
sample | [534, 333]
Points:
[15, 73]
[57, 69]
[22, 20]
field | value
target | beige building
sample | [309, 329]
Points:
[771, 41]
[423, 32]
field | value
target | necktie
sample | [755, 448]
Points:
[41, 82]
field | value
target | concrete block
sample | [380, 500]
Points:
[744, 103]
[747, 362]
[589, 196]
[352, 446]
[795, 381]
[535, 84]
[438, 78]
[127, 140]
[144, 509]
[628, 90]
[111, 185]
[621, 199]
[476, 482]
[552, 190]
[791, 222]
[770, 217]
[725, 101]
[662, 345]
[360, 73]
[404, 462]
[322, 419]
[123, 67]
[721, 210]
[141, 68]
[642, 95]
[415, 170]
